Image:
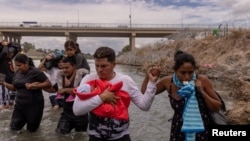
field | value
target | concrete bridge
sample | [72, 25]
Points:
[14, 31]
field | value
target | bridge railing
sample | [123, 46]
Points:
[105, 25]
[116, 25]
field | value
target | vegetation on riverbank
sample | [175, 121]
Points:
[229, 57]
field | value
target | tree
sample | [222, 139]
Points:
[27, 46]
[40, 50]
[126, 48]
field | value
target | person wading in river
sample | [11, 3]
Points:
[107, 128]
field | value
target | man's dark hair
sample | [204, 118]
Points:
[70, 60]
[105, 52]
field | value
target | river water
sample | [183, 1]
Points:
[151, 125]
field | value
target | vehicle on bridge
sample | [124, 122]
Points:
[28, 24]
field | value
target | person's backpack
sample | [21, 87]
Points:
[216, 118]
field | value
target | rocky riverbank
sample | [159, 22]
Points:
[225, 60]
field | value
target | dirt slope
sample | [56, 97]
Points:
[229, 56]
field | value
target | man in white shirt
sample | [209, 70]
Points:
[110, 128]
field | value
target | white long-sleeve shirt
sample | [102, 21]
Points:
[142, 101]
[110, 128]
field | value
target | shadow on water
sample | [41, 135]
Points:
[151, 125]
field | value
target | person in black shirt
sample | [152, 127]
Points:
[7, 53]
[28, 83]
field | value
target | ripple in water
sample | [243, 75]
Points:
[152, 125]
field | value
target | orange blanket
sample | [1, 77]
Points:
[118, 111]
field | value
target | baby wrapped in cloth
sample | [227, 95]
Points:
[95, 87]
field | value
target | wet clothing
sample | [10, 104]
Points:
[68, 119]
[28, 113]
[53, 100]
[52, 75]
[23, 95]
[56, 102]
[191, 117]
[29, 104]
[6, 66]
[7, 97]
[177, 121]
[108, 128]
[124, 138]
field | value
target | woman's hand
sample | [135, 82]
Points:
[31, 86]
[28, 86]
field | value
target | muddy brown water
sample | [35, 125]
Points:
[152, 125]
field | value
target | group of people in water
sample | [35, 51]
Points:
[97, 103]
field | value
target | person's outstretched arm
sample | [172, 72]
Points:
[145, 99]
[159, 86]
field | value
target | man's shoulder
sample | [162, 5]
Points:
[123, 77]
[91, 76]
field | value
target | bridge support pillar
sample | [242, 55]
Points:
[10, 38]
[70, 37]
[18, 40]
[132, 41]
[15, 38]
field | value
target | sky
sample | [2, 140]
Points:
[118, 11]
